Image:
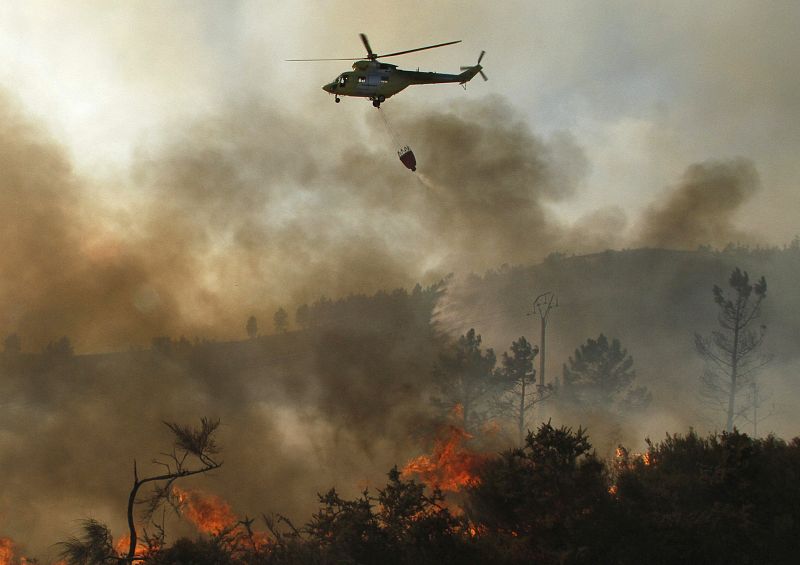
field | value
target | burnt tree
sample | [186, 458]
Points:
[192, 453]
[732, 352]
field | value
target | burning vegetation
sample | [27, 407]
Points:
[550, 501]
[467, 499]
[451, 466]
[206, 512]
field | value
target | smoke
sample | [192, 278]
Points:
[253, 209]
[236, 214]
[702, 208]
[63, 271]
[492, 178]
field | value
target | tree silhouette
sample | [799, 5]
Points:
[12, 345]
[401, 525]
[252, 327]
[302, 317]
[732, 352]
[60, 349]
[601, 374]
[464, 377]
[95, 547]
[190, 445]
[281, 320]
[518, 378]
[546, 498]
[725, 498]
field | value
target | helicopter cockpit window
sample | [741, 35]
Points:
[342, 80]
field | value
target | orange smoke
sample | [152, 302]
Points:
[451, 466]
[207, 512]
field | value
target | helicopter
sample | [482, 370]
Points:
[378, 81]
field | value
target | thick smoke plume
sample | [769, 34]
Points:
[244, 212]
[239, 214]
[701, 209]
[64, 272]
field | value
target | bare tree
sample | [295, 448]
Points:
[192, 453]
[755, 399]
[732, 352]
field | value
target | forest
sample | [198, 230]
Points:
[431, 425]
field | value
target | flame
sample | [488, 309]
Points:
[123, 545]
[450, 467]
[261, 541]
[6, 551]
[207, 512]
[8, 554]
[210, 514]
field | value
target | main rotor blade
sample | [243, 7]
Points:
[365, 41]
[418, 49]
[351, 59]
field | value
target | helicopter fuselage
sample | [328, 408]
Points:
[378, 81]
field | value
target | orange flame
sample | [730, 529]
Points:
[8, 554]
[6, 551]
[451, 467]
[210, 514]
[123, 545]
[207, 512]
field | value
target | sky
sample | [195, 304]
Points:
[606, 114]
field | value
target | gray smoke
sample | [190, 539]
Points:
[237, 215]
[701, 209]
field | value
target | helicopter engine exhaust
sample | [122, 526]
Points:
[407, 158]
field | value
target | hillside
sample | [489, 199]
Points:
[341, 399]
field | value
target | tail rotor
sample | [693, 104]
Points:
[478, 65]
